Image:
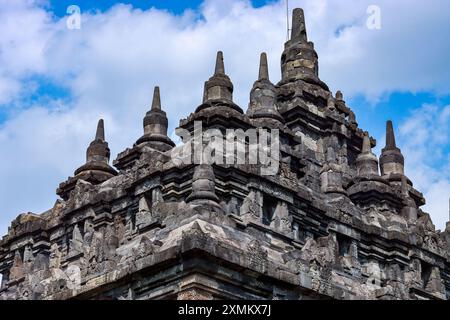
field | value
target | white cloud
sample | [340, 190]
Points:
[26, 31]
[111, 65]
[425, 141]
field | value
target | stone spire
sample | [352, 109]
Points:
[392, 161]
[220, 67]
[219, 86]
[263, 67]
[368, 189]
[219, 89]
[300, 60]
[100, 134]
[155, 126]
[367, 162]
[298, 32]
[156, 103]
[390, 136]
[366, 147]
[97, 168]
[392, 165]
[203, 186]
[263, 96]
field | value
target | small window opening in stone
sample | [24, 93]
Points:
[426, 273]
[296, 230]
[67, 238]
[133, 220]
[344, 244]
[145, 202]
[149, 198]
[5, 278]
[269, 207]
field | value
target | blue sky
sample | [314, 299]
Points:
[55, 82]
[59, 7]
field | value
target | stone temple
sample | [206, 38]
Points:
[335, 222]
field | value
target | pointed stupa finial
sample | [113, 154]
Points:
[392, 161]
[218, 89]
[367, 162]
[96, 170]
[220, 67]
[100, 134]
[156, 103]
[263, 67]
[299, 60]
[97, 154]
[339, 95]
[366, 147]
[155, 126]
[263, 105]
[390, 136]
[298, 26]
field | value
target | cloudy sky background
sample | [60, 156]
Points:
[55, 83]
